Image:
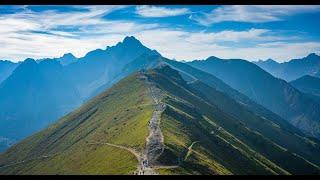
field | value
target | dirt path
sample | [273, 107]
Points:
[189, 150]
[141, 168]
[131, 150]
[154, 145]
[165, 167]
[155, 141]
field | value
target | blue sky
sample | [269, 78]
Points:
[179, 32]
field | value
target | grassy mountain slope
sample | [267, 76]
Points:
[38, 93]
[221, 95]
[191, 74]
[273, 93]
[216, 128]
[119, 115]
[199, 137]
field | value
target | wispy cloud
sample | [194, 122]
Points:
[51, 33]
[183, 45]
[158, 11]
[236, 36]
[252, 13]
[84, 16]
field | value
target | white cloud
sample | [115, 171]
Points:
[234, 36]
[51, 19]
[280, 52]
[182, 45]
[158, 11]
[45, 34]
[252, 13]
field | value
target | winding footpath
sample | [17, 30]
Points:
[131, 150]
[154, 145]
[190, 150]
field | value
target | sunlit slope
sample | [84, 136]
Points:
[251, 114]
[199, 136]
[71, 146]
[223, 143]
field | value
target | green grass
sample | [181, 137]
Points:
[94, 160]
[226, 143]
[178, 137]
[265, 127]
[239, 149]
[119, 116]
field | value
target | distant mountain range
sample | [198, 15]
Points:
[220, 116]
[293, 69]
[66, 59]
[309, 85]
[37, 93]
[108, 134]
[273, 93]
[6, 68]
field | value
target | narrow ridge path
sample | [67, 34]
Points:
[155, 141]
[154, 145]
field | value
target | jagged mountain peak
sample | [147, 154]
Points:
[6, 61]
[29, 60]
[26, 64]
[271, 60]
[312, 56]
[212, 58]
[68, 55]
[307, 78]
[128, 39]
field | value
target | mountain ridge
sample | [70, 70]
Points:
[6, 69]
[99, 70]
[309, 85]
[67, 85]
[198, 137]
[294, 68]
[273, 93]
